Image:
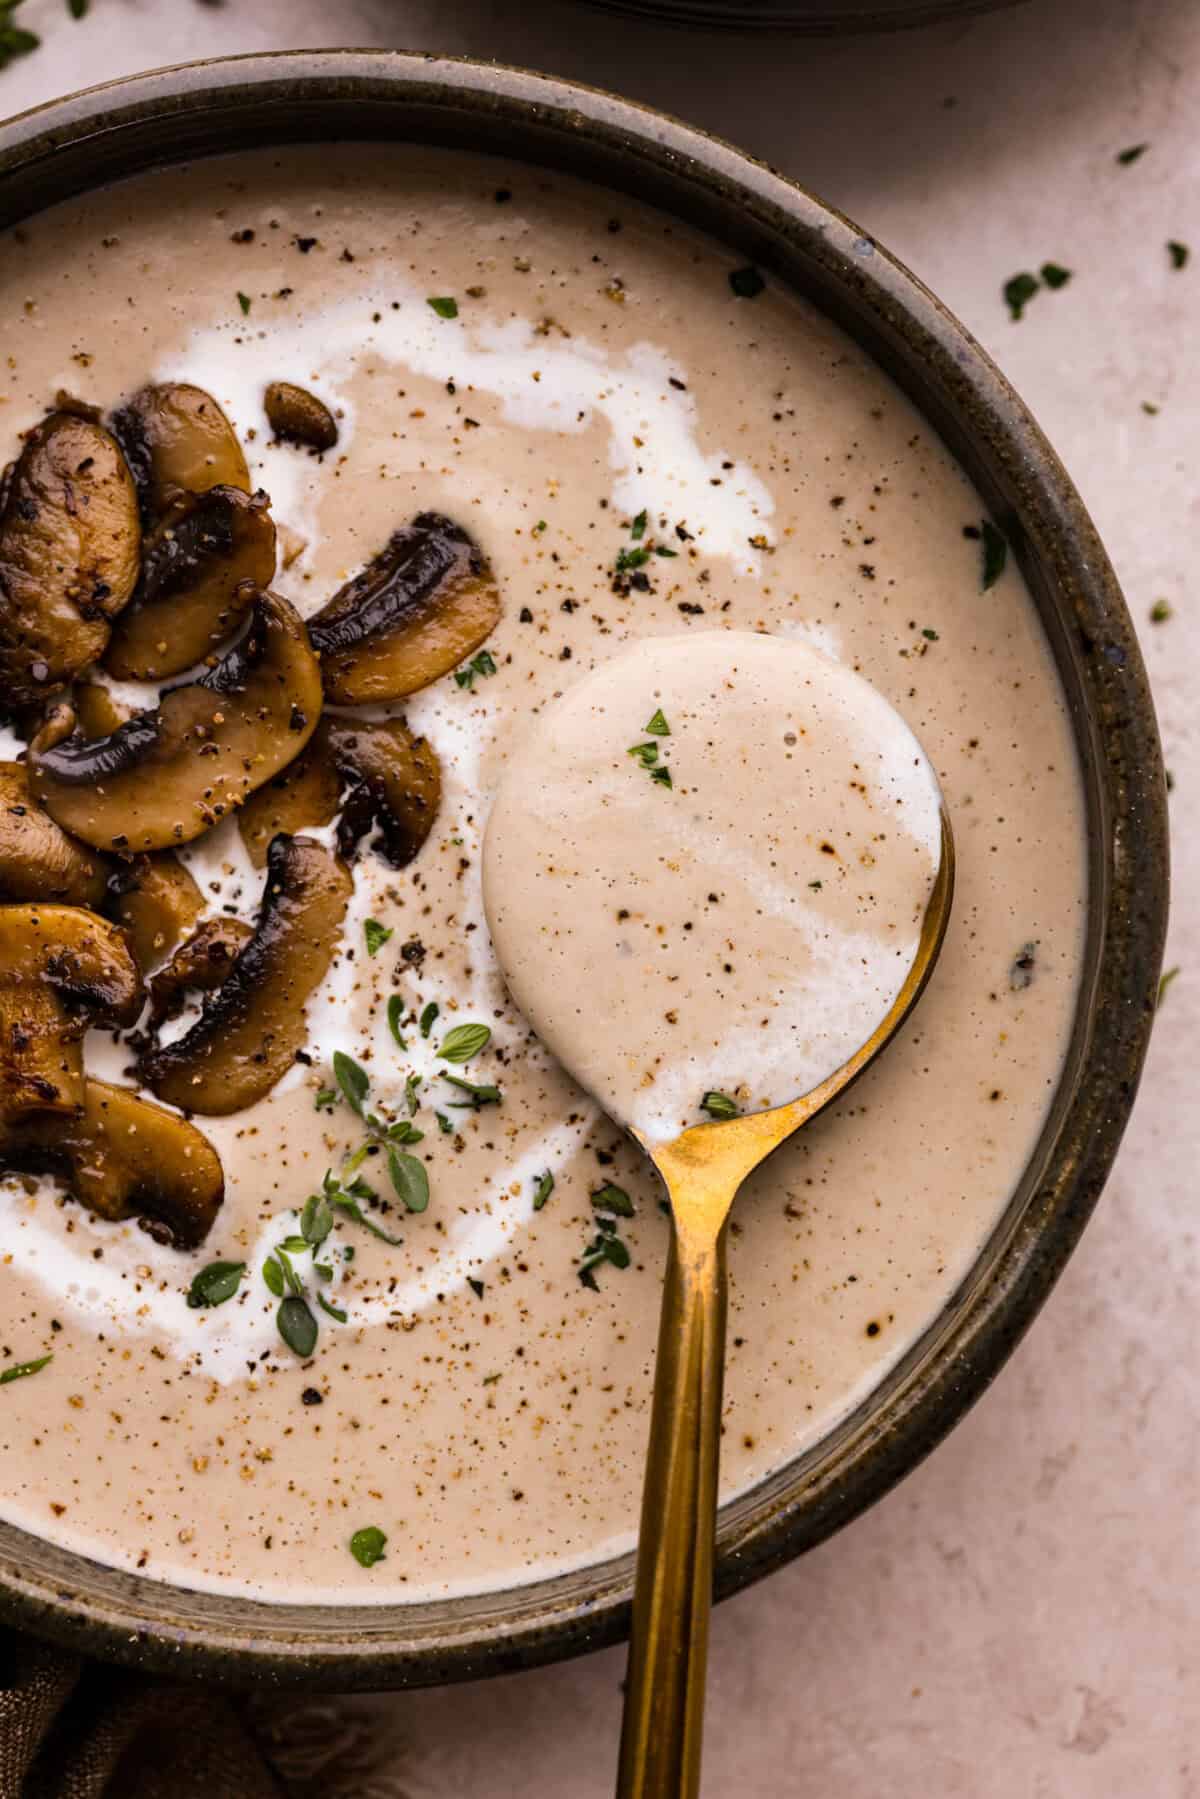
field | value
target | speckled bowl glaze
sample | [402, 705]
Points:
[80, 142]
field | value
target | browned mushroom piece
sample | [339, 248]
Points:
[156, 901]
[427, 600]
[198, 966]
[177, 440]
[375, 775]
[97, 713]
[61, 970]
[166, 776]
[250, 1029]
[203, 565]
[299, 417]
[124, 1157]
[69, 548]
[38, 859]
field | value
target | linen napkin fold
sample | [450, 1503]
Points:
[71, 1729]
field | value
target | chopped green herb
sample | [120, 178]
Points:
[646, 753]
[215, 1284]
[929, 636]
[658, 726]
[404, 1132]
[411, 1086]
[244, 303]
[543, 1190]
[489, 1380]
[272, 1273]
[606, 1246]
[464, 1041]
[719, 1105]
[638, 527]
[410, 1179]
[477, 1287]
[323, 1271]
[610, 1198]
[539, 529]
[627, 559]
[291, 1278]
[297, 1326]
[367, 1545]
[816, 886]
[376, 936]
[661, 549]
[294, 1245]
[1164, 983]
[395, 1016]
[332, 1310]
[326, 1099]
[482, 664]
[479, 1096]
[350, 1206]
[316, 1219]
[429, 1016]
[995, 553]
[1019, 291]
[78, 8]
[1054, 275]
[446, 1125]
[20, 1370]
[746, 283]
[1178, 253]
[444, 306]
[1160, 612]
[1125, 157]
[353, 1080]
[662, 776]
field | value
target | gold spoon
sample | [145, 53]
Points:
[703, 1168]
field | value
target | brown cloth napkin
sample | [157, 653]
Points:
[71, 1729]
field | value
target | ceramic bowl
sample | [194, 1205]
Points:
[76, 144]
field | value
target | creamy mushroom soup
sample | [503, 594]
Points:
[318, 1278]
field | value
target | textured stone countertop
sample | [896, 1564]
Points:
[1021, 1618]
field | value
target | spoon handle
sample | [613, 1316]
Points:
[664, 1696]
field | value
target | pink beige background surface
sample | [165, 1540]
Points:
[1020, 1619]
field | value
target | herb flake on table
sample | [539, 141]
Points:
[22, 1370]
[658, 726]
[213, 1285]
[444, 305]
[1054, 275]
[1019, 291]
[1179, 253]
[15, 40]
[1160, 612]
[1131, 155]
[367, 1545]
[243, 301]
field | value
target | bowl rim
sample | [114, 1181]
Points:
[79, 142]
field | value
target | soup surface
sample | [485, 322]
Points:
[643, 442]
